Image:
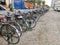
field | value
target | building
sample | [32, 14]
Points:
[53, 2]
[6, 1]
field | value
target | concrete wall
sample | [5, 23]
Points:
[8, 2]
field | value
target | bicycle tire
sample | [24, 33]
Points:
[5, 35]
[23, 25]
[16, 24]
[32, 25]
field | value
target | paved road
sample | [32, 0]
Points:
[46, 32]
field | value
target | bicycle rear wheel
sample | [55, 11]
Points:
[23, 25]
[10, 34]
[18, 26]
[31, 22]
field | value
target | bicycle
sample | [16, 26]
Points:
[21, 20]
[31, 20]
[10, 31]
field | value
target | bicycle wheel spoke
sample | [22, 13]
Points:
[11, 35]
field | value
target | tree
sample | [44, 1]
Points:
[33, 1]
[11, 7]
[39, 2]
[36, 1]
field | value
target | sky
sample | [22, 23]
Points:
[48, 2]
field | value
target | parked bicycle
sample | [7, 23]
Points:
[21, 20]
[9, 32]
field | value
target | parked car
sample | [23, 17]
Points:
[57, 6]
[4, 11]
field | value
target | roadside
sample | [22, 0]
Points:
[47, 31]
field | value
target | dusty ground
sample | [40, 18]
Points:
[46, 32]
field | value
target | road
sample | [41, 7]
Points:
[46, 32]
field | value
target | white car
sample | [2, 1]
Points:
[57, 8]
[3, 10]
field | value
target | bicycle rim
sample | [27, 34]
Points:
[16, 24]
[10, 32]
[23, 25]
[31, 22]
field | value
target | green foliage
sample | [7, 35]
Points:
[47, 6]
[39, 2]
[36, 1]
[11, 7]
[33, 1]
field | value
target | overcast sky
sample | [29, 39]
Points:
[48, 2]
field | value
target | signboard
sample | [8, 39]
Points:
[19, 4]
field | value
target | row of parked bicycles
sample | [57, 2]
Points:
[13, 25]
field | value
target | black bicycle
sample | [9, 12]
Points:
[8, 31]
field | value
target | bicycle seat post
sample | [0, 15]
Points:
[8, 17]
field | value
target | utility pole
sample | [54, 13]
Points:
[34, 3]
[28, 4]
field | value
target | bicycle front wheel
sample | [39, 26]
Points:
[17, 25]
[10, 34]
[23, 25]
[32, 22]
